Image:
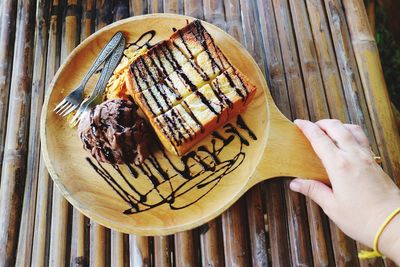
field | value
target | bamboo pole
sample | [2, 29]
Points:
[25, 238]
[194, 8]
[241, 23]
[40, 248]
[117, 249]
[234, 225]
[155, 6]
[138, 7]
[7, 31]
[233, 19]
[103, 13]
[186, 249]
[255, 211]
[371, 15]
[79, 252]
[353, 91]
[14, 160]
[274, 197]
[211, 243]
[173, 6]
[140, 251]
[163, 255]
[375, 89]
[214, 12]
[87, 18]
[121, 9]
[118, 245]
[98, 234]
[59, 239]
[297, 212]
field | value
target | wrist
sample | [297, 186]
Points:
[389, 242]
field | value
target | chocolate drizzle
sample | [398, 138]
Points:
[143, 40]
[199, 170]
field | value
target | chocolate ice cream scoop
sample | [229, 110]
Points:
[113, 133]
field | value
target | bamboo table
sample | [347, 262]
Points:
[320, 60]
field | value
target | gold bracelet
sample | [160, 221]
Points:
[363, 254]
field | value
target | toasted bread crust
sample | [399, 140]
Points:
[179, 123]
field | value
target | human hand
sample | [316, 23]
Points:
[362, 195]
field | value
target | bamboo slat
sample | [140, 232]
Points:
[97, 245]
[214, 12]
[274, 198]
[186, 249]
[40, 248]
[298, 233]
[233, 19]
[140, 251]
[117, 249]
[194, 8]
[319, 107]
[87, 18]
[103, 13]
[80, 232]
[155, 6]
[7, 31]
[25, 237]
[211, 244]
[234, 229]
[121, 9]
[16, 142]
[375, 89]
[256, 222]
[163, 256]
[62, 212]
[77, 254]
[353, 91]
[138, 7]
[243, 14]
[173, 6]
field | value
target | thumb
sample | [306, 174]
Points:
[319, 192]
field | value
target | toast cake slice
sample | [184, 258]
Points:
[187, 88]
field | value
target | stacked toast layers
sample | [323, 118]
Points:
[187, 88]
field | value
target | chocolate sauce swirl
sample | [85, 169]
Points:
[202, 169]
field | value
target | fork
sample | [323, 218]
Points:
[97, 94]
[74, 99]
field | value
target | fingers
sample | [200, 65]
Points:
[317, 191]
[321, 143]
[343, 138]
[358, 134]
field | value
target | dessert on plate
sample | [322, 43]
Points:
[184, 86]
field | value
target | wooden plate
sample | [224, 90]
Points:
[168, 194]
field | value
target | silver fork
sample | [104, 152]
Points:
[97, 94]
[74, 99]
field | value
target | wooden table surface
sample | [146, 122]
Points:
[320, 60]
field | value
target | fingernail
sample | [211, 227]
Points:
[295, 186]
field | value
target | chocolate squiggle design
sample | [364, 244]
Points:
[199, 170]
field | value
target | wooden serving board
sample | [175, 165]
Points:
[168, 194]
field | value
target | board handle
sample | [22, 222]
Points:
[288, 153]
